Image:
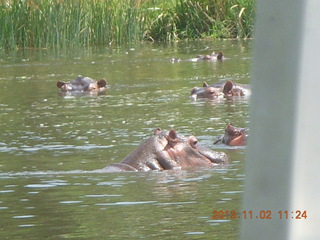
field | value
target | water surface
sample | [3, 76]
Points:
[50, 143]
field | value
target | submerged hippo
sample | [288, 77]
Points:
[168, 150]
[212, 57]
[225, 89]
[233, 136]
[82, 84]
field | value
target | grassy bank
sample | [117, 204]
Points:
[62, 23]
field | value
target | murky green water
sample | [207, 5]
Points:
[49, 143]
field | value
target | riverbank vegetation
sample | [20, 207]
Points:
[63, 23]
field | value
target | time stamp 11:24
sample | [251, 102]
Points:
[263, 214]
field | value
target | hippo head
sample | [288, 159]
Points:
[167, 150]
[186, 152]
[212, 92]
[81, 84]
[206, 91]
[212, 56]
[226, 89]
[235, 136]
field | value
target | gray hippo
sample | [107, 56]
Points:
[225, 89]
[167, 150]
[82, 84]
[234, 136]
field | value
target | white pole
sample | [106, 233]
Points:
[283, 154]
[306, 166]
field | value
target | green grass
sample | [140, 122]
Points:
[63, 23]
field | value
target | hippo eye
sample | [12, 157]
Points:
[193, 142]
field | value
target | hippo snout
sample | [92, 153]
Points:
[213, 156]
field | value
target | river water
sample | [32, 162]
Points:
[50, 143]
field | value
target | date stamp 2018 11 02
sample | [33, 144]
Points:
[263, 214]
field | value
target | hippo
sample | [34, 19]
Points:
[212, 57]
[226, 89]
[166, 150]
[82, 84]
[233, 136]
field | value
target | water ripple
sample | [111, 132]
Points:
[124, 203]
[70, 202]
[103, 195]
[40, 185]
[24, 216]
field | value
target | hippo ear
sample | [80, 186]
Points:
[205, 84]
[173, 134]
[227, 87]
[102, 83]
[232, 130]
[220, 55]
[157, 131]
[228, 128]
[172, 138]
[60, 84]
[230, 125]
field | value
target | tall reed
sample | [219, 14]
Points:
[63, 23]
